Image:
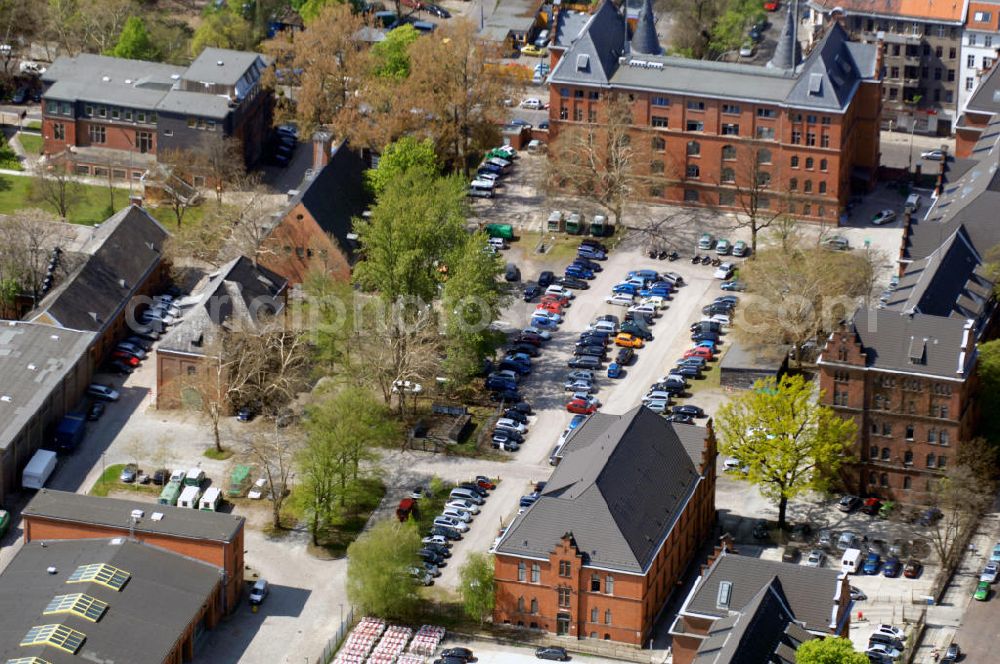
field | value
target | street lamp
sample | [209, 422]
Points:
[913, 124]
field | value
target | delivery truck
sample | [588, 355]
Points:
[37, 472]
[70, 431]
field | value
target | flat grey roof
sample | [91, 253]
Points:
[511, 16]
[115, 513]
[221, 66]
[183, 102]
[142, 622]
[754, 357]
[106, 80]
[34, 359]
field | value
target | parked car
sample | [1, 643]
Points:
[873, 562]
[883, 217]
[258, 592]
[934, 155]
[723, 247]
[816, 558]
[555, 653]
[990, 571]
[912, 568]
[891, 568]
[129, 473]
[848, 503]
[103, 392]
[95, 411]
[982, 592]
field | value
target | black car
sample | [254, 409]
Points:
[556, 653]
[161, 476]
[638, 330]
[439, 549]
[705, 336]
[141, 343]
[431, 557]
[694, 361]
[450, 660]
[512, 272]
[436, 10]
[515, 415]
[584, 362]
[531, 292]
[464, 653]
[595, 244]
[509, 434]
[118, 367]
[707, 326]
[680, 418]
[688, 409]
[95, 411]
[596, 351]
[592, 340]
[521, 407]
[625, 355]
[546, 278]
[244, 414]
[529, 338]
[673, 389]
[719, 308]
[446, 532]
[527, 349]
[505, 395]
[571, 282]
[688, 371]
[594, 266]
[472, 486]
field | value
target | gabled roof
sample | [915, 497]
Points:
[918, 343]
[754, 633]
[809, 593]
[116, 513]
[830, 76]
[618, 491]
[336, 195]
[569, 26]
[238, 293]
[986, 98]
[122, 252]
[593, 57]
[149, 615]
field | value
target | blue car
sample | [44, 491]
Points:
[707, 344]
[576, 421]
[591, 252]
[891, 569]
[579, 272]
[655, 292]
[873, 562]
[628, 289]
[516, 367]
[543, 323]
[498, 384]
[651, 275]
[614, 370]
[589, 264]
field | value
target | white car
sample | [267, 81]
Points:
[449, 522]
[459, 515]
[990, 572]
[644, 309]
[604, 326]
[103, 392]
[934, 155]
[883, 651]
[406, 386]
[891, 630]
[884, 217]
[436, 539]
[532, 103]
[463, 505]
[657, 405]
[508, 423]
[816, 558]
[732, 464]
[721, 319]
[620, 300]
[555, 318]
[655, 301]
[724, 271]
[556, 289]
[580, 386]
[655, 395]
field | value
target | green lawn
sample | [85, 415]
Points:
[108, 482]
[9, 159]
[32, 143]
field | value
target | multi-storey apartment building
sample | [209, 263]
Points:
[806, 131]
[980, 110]
[921, 45]
[111, 117]
[979, 46]
[618, 522]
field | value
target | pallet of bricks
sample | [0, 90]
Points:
[426, 641]
[360, 642]
[391, 646]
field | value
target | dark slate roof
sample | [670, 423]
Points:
[237, 293]
[143, 621]
[569, 26]
[618, 492]
[115, 513]
[754, 634]
[810, 593]
[644, 40]
[788, 51]
[948, 282]
[34, 360]
[123, 251]
[917, 343]
[826, 81]
[336, 195]
[986, 98]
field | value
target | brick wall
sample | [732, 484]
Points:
[298, 245]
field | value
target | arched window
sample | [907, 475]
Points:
[609, 584]
[809, 162]
[822, 164]
[694, 148]
[659, 144]
[873, 452]
[822, 187]
[728, 153]
[534, 605]
[595, 583]
[536, 573]
[728, 175]
[763, 156]
[795, 161]
[520, 605]
[886, 454]
[872, 478]
[693, 171]
[656, 166]
[908, 457]
[793, 184]
[808, 186]
[763, 178]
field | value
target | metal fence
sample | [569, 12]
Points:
[330, 649]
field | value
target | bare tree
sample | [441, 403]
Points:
[220, 160]
[250, 218]
[598, 160]
[753, 179]
[274, 454]
[57, 188]
[27, 238]
[173, 178]
[210, 387]
[268, 366]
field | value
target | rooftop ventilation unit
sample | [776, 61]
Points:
[6, 399]
[137, 514]
[106, 79]
[157, 516]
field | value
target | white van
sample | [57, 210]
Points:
[211, 500]
[912, 203]
[189, 497]
[851, 562]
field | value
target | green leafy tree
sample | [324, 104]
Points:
[477, 587]
[406, 154]
[730, 29]
[989, 389]
[789, 442]
[392, 57]
[414, 226]
[378, 577]
[310, 9]
[223, 29]
[829, 651]
[473, 298]
[134, 42]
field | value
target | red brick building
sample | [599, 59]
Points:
[212, 537]
[807, 130]
[621, 517]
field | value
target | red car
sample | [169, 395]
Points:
[581, 407]
[699, 351]
[771, 5]
[126, 358]
[552, 307]
[485, 482]
[561, 300]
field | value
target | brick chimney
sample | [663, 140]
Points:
[708, 450]
[322, 144]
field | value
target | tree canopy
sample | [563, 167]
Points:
[477, 586]
[406, 154]
[789, 442]
[989, 392]
[378, 578]
[829, 651]
[392, 57]
[134, 42]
